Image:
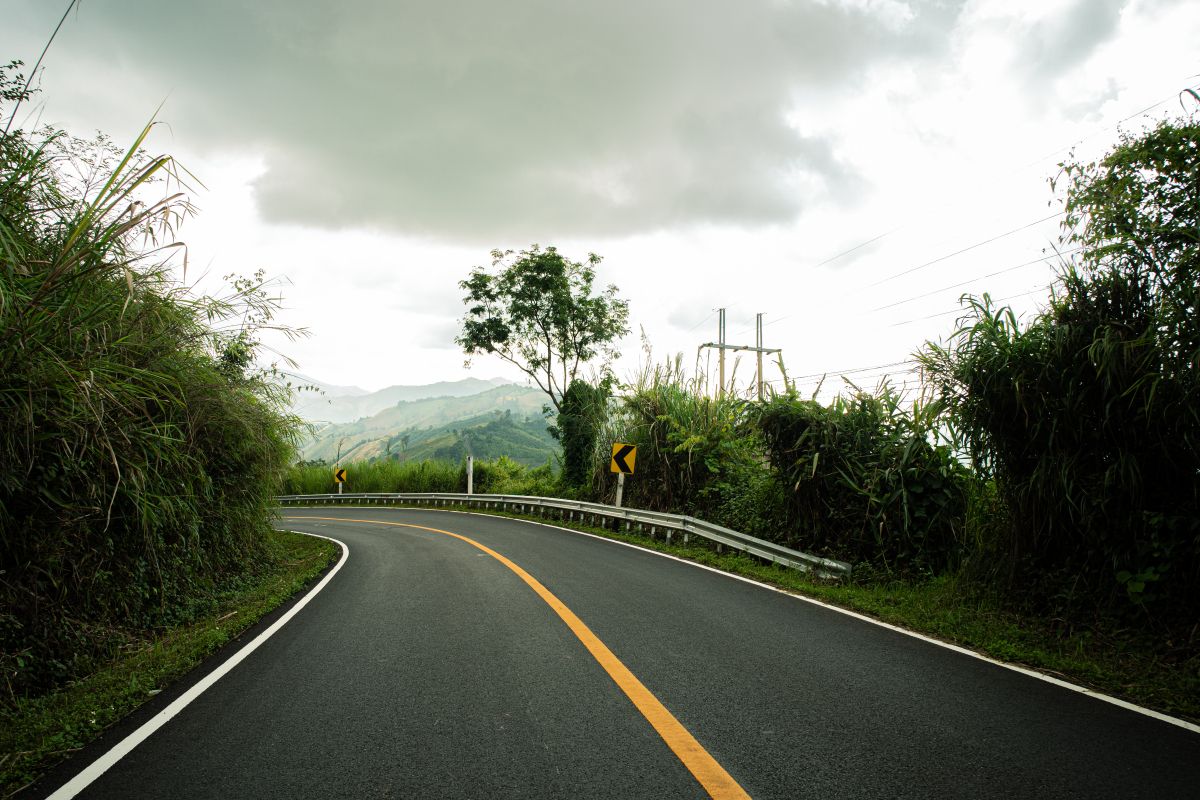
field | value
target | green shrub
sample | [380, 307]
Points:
[582, 406]
[138, 453]
[864, 479]
[1088, 420]
[689, 442]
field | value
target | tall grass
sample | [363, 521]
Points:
[138, 449]
[1087, 419]
[866, 478]
[862, 479]
[497, 476]
[689, 440]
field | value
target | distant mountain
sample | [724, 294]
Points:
[358, 404]
[418, 418]
[330, 390]
[523, 438]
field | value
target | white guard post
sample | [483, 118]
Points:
[470, 465]
[620, 487]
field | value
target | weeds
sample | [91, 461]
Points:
[139, 449]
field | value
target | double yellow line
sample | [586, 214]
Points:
[712, 776]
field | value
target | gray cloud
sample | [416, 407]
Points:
[1054, 45]
[439, 336]
[475, 120]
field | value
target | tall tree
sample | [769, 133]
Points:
[538, 313]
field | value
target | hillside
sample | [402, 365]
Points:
[523, 439]
[432, 420]
[343, 404]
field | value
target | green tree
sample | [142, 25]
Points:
[576, 429]
[538, 313]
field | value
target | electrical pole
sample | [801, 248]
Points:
[722, 346]
[758, 344]
[721, 339]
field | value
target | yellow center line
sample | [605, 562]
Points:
[712, 776]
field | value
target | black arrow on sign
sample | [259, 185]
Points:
[619, 458]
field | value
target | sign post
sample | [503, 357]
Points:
[339, 475]
[623, 457]
[470, 465]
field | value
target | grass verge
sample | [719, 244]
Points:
[948, 609]
[44, 731]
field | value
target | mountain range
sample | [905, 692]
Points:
[504, 420]
[342, 404]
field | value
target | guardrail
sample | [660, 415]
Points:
[669, 523]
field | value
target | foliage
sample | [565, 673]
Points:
[1087, 420]
[135, 473]
[583, 405]
[522, 440]
[861, 479]
[864, 478]
[539, 314]
[689, 442]
[495, 476]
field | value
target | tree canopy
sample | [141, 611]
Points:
[538, 313]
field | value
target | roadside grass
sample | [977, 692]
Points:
[946, 608]
[42, 732]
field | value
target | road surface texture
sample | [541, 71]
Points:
[429, 668]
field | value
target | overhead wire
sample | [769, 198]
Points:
[851, 371]
[966, 282]
[993, 183]
[964, 250]
[926, 264]
[956, 253]
[953, 311]
[946, 288]
[935, 261]
[710, 316]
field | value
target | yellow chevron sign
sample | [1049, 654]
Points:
[339, 475]
[622, 458]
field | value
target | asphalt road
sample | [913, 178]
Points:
[428, 668]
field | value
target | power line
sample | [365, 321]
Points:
[965, 283]
[710, 316]
[850, 371]
[943, 289]
[858, 372]
[993, 183]
[964, 250]
[952, 311]
[937, 260]
[857, 379]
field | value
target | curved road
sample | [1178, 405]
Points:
[428, 667]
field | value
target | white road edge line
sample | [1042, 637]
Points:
[965, 651]
[123, 747]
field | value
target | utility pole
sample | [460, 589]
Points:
[721, 339]
[722, 346]
[758, 344]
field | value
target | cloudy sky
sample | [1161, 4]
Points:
[849, 168]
